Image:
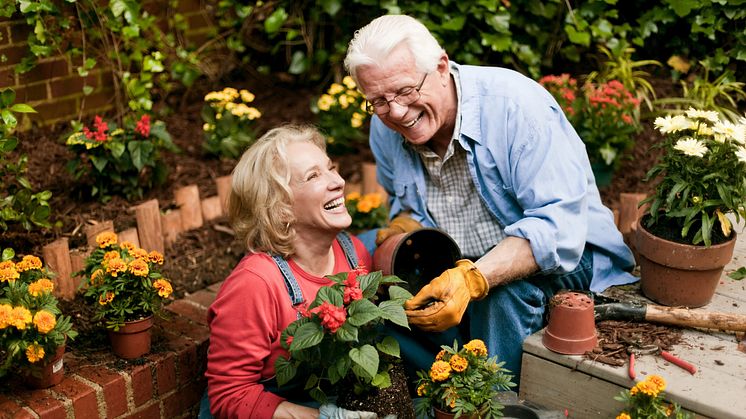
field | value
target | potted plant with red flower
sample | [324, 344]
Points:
[338, 345]
[122, 160]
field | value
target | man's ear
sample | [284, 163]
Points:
[443, 68]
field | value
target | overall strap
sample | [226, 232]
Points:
[348, 247]
[296, 295]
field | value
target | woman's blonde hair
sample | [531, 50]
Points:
[260, 203]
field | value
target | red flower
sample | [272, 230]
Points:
[352, 294]
[143, 126]
[100, 133]
[332, 317]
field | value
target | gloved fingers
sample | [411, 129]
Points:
[385, 233]
[433, 323]
[422, 299]
[433, 308]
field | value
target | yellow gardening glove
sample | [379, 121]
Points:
[441, 303]
[402, 223]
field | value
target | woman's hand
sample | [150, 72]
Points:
[287, 410]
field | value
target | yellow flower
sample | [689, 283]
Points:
[347, 81]
[353, 196]
[357, 120]
[335, 88]
[115, 266]
[9, 273]
[458, 363]
[440, 371]
[230, 93]
[105, 298]
[40, 286]
[344, 101]
[44, 321]
[111, 254]
[422, 390]
[6, 312]
[97, 278]
[213, 96]
[207, 127]
[106, 239]
[34, 353]
[375, 199]
[139, 267]
[325, 102]
[246, 96]
[623, 415]
[646, 387]
[141, 254]
[364, 206]
[163, 286]
[20, 317]
[440, 355]
[477, 347]
[253, 113]
[128, 246]
[155, 257]
[657, 381]
[28, 263]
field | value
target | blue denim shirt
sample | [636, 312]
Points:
[530, 168]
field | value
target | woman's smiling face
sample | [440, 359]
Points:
[318, 190]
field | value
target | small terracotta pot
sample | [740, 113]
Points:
[440, 414]
[133, 339]
[52, 371]
[677, 274]
[572, 327]
[417, 257]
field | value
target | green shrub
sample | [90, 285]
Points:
[342, 116]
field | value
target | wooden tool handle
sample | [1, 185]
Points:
[695, 318]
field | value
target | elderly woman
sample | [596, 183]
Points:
[287, 206]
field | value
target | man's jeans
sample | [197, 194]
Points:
[503, 319]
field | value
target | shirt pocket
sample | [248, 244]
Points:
[406, 196]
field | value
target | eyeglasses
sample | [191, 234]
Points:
[405, 97]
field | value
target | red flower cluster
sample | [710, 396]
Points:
[612, 95]
[352, 290]
[563, 86]
[332, 317]
[143, 126]
[101, 128]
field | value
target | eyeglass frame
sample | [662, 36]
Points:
[371, 108]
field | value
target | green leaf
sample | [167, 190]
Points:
[275, 21]
[382, 380]
[366, 357]
[306, 336]
[328, 295]
[117, 7]
[347, 333]
[369, 283]
[683, 7]
[390, 346]
[98, 162]
[394, 312]
[578, 37]
[7, 97]
[22, 108]
[738, 274]
[299, 63]
[362, 311]
[331, 7]
[285, 370]
[117, 149]
[8, 254]
[398, 293]
[8, 118]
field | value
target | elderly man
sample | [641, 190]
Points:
[487, 155]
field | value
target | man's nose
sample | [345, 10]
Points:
[397, 110]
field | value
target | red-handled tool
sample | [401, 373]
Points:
[632, 374]
[678, 362]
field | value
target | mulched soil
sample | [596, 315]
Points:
[617, 338]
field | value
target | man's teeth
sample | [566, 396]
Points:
[416, 120]
[334, 204]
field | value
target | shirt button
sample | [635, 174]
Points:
[449, 199]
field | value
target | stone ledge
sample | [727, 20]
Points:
[168, 383]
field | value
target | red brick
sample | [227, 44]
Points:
[43, 404]
[142, 384]
[184, 399]
[113, 385]
[4, 36]
[14, 54]
[151, 411]
[165, 373]
[82, 396]
[186, 6]
[58, 109]
[72, 85]
[199, 37]
[198, 20]
[99, 99]
[188, 364]
[7, 77]
[203, 297]
[44, 71]
[191, 311]
[11, 409]
[29, 93]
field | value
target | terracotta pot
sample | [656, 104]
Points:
[51, 373]
[440, 414]
[572, 327]
[417, 257]
[133, 339]
[677, 274]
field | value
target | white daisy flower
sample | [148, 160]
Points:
[711, 116]
[670, 124]
[691, 147]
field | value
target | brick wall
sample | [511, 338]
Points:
[168, 384]
[54, 87]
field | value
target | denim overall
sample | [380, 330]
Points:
[296, 297]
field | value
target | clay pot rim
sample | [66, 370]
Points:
[639, 227]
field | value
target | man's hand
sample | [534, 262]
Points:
[330, 411]
[441, 303]
[402, 223]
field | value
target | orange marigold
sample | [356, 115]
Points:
[657, 381]
[44, 321]
[20, 317]
[155, 257]
[623, 415]
[111, 254]
[422, 390]
[163, 286]
[34, 353]
[353, 196]
[364, 206]
[440, 355]
[40, 286]
[106, 239]
[106, 298]
[477, 347]
[97, 277]
[127, 246]
[9, 273]
[28, 263]
[5, 315]
[115, 266]
[139, 267]
[440, 371]
[141, 254]
[459, 363]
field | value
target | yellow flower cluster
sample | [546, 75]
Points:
[44, 321]
[365, 203]
[345, 95]
[20, 317]
[477, 347]
[458, 363]
[233, 101]
[34, 353]
[651, 386]
[40, 286]
[8, 271]
[164, 287]
[28, 263]
[440, 371]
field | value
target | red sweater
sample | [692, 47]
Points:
[246, 321]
